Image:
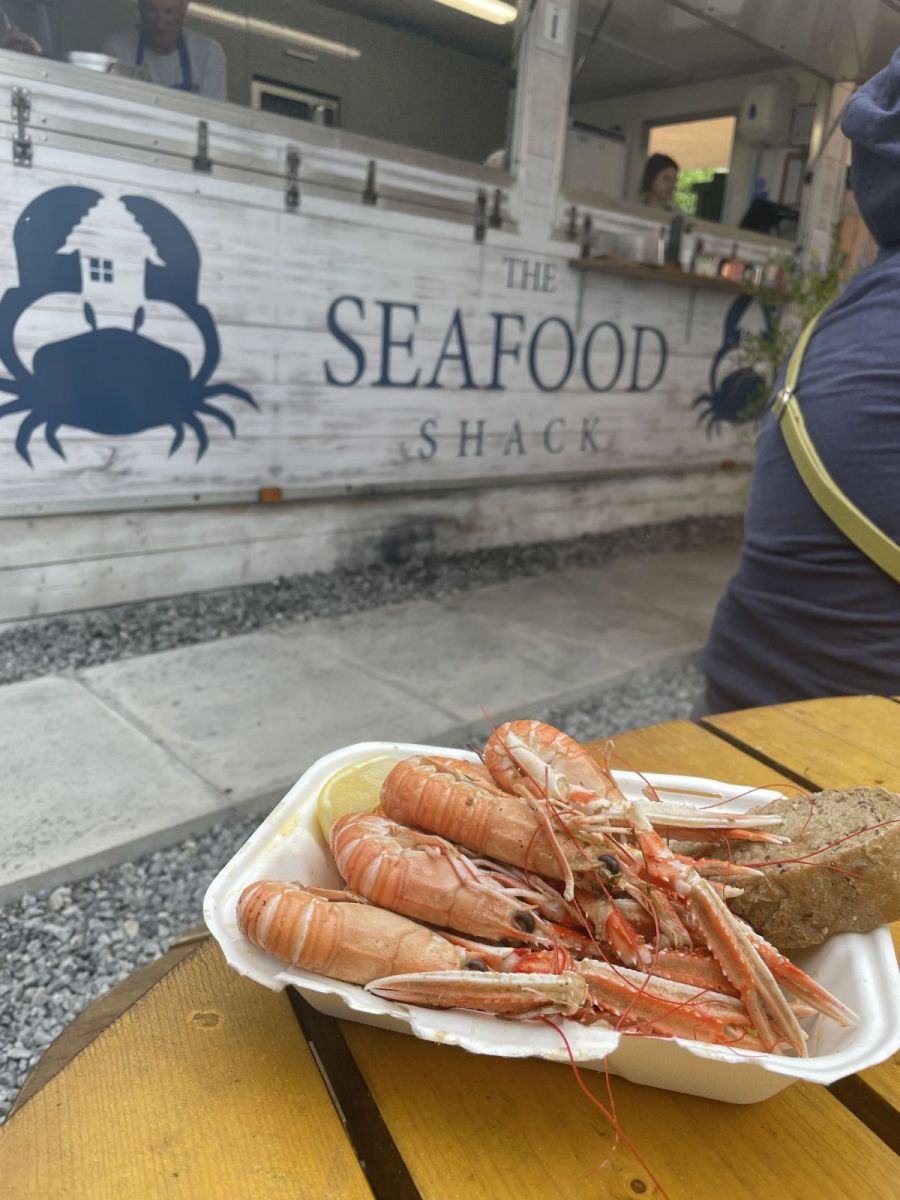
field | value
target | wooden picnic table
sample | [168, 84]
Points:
[205, 1085]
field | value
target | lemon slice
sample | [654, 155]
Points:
[356, 788]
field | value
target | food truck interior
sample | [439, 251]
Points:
[734, 92]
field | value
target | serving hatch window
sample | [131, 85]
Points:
[654, 78]
[434, 75]
[702, 150]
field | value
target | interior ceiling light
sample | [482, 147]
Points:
[282, 33]
[495, 11]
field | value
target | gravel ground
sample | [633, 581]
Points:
[61, 949]
[86, 639]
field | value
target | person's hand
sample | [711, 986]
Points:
[13, 38]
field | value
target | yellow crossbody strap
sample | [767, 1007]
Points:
[875, 544]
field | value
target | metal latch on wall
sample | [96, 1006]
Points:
[202, 161]
[370, 193]
[21, 114]
[496, 217]
[587, 235]
[292, 180]
[481, 216]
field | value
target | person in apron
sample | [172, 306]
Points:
[814, 609]
[171, 55]
[184, 61]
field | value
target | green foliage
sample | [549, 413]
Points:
[684, 197]
[805, 293]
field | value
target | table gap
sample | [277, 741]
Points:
[870, 1108]
[386, 1172]
[754, 752]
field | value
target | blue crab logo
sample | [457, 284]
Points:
[732, 392]
[109, 380]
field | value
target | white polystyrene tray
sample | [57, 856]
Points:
[860, 969]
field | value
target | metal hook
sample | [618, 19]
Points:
[586, 230]
[496, 218]
[202, 161]
[292, 176]
[370, 195]
[480, 216]
[21, 114]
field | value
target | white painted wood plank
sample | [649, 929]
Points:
[98, 559]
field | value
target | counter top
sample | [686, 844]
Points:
[636, 270]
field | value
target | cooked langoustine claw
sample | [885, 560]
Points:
[796, 981]
[344, 939]
[708, 914]
[584, 990]
[426, 877]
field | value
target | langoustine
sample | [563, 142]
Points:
[333, 934]
[621, 867]
[428, 878]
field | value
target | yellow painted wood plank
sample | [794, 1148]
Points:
[476, 1128]
[839, 742]
[483, 1128]
[682, 748]
[204, 1090]
[91, 1021]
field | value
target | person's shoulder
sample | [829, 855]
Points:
[201, 45]
[122, 43]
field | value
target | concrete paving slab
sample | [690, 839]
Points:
[249, 714]
[598, 632]
[714, 564]
[674, 582]
[467, 655]
[79, 781]
[132, 755]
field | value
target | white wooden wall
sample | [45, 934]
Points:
[64, 563]
[95, 529]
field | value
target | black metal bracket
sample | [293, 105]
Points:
[572, 227]
[292, 180]
[496, 218]
[586, 231]
[481, 216]
[23, 152]
[202, 161]
[370, 194]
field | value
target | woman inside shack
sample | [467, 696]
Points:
[814, 609]
[172, 55]
[658, 181]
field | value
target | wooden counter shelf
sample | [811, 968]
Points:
[636, 270]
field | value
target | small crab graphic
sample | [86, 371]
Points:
[730, 397]
[109, 381]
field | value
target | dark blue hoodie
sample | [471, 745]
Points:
[807, 613]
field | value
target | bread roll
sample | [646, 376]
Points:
[797, 905]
